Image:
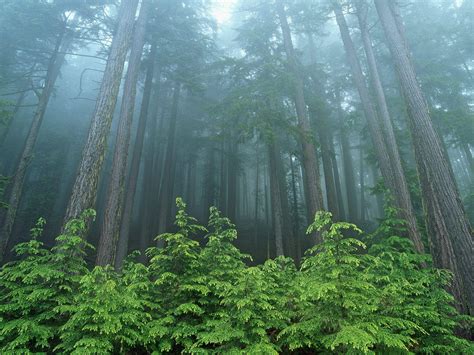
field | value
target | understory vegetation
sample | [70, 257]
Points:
[353, 293]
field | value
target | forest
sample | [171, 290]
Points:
[236, 177]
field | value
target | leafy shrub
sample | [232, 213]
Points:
[347, 296]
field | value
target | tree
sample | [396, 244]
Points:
[310, 159]
[114, 201]
[62, 44]
[450, 234]
[381, 130]
[84, 192]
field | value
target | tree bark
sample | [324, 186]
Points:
[84, 193]
[386, 155]
[401, 193]
[131, 189]
[310, 159]
[452, 243]
[56, 61]
[114, 199]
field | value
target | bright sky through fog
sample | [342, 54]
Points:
[222, 10]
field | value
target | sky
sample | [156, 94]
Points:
[222, 10]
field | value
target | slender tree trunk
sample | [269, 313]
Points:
[191, 184]
[337, 181]
[166, 190]
[310, 159]
[329, 175]
[276, 199]
[84, 193]
[452, 244]
[363, 207]
[267, 210]
[348, 167]
[131, 189]
[56, 61]
[232, 181]
[114, 199]
[152, 172]
[223, 180]
[296, 219]
[210, 181]
[289, 242]
[257, 189]
[386, 154]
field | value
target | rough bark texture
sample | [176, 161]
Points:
[84, 191]
[391, 171]
[122, 247]
[114, 199]
[450, 234]
[401, 194]
[310, 159]
[55, 63]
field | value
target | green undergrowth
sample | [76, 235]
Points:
[350, 295]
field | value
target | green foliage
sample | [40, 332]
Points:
[203, 298]
[35, 289]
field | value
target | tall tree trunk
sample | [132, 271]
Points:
[452, 243]
[296, 219]
[210, 180]
[152, 173]
[401, 193]
[223, 179]
[257, 189]
[337, 181]
[267, 208]
[329, 174]
[289, 242]
[131, 189]
[232, 171]
[347, 164]
[310, 159]
[56, 61]
[114, 199]
[166, 190]
[84, 193]
[276, 199]
[386, 154]
[363, 207]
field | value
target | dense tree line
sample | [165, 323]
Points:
[290, 109]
